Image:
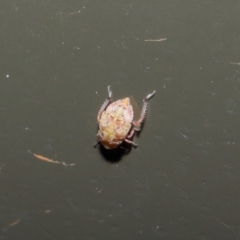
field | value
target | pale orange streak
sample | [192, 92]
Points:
[44, 158]
[40, 157]
[14, 223]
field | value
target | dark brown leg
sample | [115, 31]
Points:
[105, 104]
[137, 124]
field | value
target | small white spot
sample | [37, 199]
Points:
[7, 76]
[185, 136]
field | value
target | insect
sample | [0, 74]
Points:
[115, 121]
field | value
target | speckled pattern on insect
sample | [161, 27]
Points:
[116, 121]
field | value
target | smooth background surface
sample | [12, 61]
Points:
[57, 59]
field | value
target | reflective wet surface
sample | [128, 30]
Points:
[57, 59]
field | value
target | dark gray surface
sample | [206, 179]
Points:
[57, 58]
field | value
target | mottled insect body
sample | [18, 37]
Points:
[116, 121]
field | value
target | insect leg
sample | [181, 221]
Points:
[96, 144]
[131, 133]
[137, 124]
[99, 139]
[131, 142]
[105, 104]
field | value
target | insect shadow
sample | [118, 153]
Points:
[115, 155]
